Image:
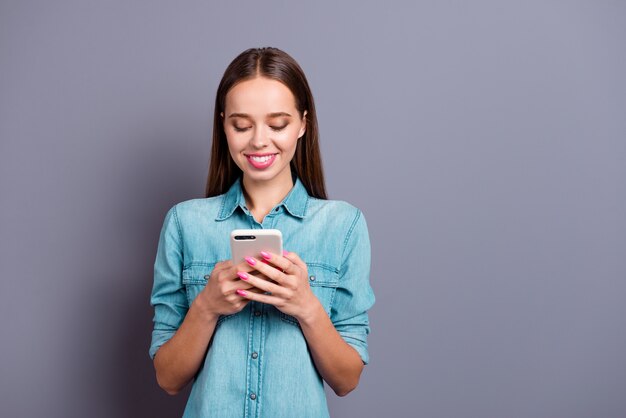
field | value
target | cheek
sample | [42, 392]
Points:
[235, 142]
[286, 145]
[287, 139]
[235, 146]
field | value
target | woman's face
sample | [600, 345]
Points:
[262, 127]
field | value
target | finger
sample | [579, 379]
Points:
[222, 265]
[263, 298]
[281, 263]
[294, 258]
[231, 287]
[269, 271]
[247, 268]
[252, 289]
[240, 284]
[264, 285]
[243, 266]
[231, 272]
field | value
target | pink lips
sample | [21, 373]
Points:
[260, 165]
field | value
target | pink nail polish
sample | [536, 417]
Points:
[250, 261]
[265, 255]
[285, 252]
[241, 292]
[242, 275]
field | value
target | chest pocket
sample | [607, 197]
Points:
[323, 281]
[195, 278]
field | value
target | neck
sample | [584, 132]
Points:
[262, 196]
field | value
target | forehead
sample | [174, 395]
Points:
[260, 95]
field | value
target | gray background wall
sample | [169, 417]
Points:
[484, 141]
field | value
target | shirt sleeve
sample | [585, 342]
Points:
[168, 294]
[354, 295]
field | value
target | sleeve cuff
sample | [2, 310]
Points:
[358, 342]
[159, 337]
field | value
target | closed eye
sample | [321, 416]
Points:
[278, 128]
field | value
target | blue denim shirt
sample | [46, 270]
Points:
[258, 363]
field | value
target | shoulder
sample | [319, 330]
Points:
[199, 204]
[339, 208]
[338, 213]
[189, 210]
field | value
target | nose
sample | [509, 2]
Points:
[259, 139]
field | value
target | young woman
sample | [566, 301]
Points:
[257, 338]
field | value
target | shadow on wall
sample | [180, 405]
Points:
[157, 178]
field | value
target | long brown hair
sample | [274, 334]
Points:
[277, 65]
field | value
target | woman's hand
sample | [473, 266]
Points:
[179, 359]
[288, 284]
[219, 296]
[339, 364]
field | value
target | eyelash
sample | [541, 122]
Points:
[274, 128]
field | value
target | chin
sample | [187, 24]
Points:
[260, 176]
[265, 175]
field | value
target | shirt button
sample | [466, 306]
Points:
[312, 278]
[255, 355]
[207, 277]
[253, 396]
[257, 313]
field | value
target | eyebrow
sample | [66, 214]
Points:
[271, 115]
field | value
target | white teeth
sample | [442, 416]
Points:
[261, 159]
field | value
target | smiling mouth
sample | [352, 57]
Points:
[260, 158]
[261, 161]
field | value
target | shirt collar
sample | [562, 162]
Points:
[295, 202]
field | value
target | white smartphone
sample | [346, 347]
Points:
[250, 242]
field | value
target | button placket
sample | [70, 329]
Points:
[255, 346]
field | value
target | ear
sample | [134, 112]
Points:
[303, 129]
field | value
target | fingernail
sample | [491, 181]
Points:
[242, 275]
[250, 261]
[285, 252]
[241, 292]
[265, 255]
